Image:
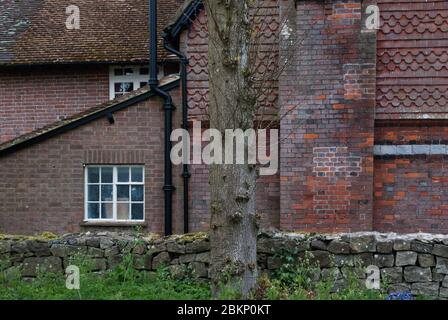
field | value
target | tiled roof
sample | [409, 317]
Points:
[34, 31]
[86, 116]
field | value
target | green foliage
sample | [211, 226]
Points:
[122, 283]
[299, 278]
[294, 271]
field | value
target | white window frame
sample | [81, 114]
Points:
[115, 183]
[136, 78]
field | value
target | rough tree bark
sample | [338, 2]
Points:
[234, 223]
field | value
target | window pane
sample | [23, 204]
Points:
[106, 192]
[123, 87]
[107, 175]
[144, 71]
[137, 212]
[123, 211]
[117, 86]
[127, 87]
[118, 72]
[142, 84]
[137, 174]
[93, 211]
[137, 193]
[123, 193]
[93, 193]
[128, 71]
[93, 174]
[123, 174]
[107, 211]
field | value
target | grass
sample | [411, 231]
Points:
[122, 283]
[293, 281]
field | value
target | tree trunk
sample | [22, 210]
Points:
[234, 223]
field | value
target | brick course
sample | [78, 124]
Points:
[33, 97]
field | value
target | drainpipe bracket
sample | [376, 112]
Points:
[110, 118]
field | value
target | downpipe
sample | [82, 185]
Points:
[185, 168]
[168, 108]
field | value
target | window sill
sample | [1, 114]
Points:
[112, 223]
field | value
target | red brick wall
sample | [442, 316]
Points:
[42, 186]
[410, 190]
[32, 97]
[410, 194]
[327, 98]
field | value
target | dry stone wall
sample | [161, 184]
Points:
[415, 262]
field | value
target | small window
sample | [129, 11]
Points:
[123, 87]
[115, 193]
[124, 79]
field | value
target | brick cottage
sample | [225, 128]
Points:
[362, 115]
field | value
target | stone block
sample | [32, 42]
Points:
[363, 244]
[339, 247]
[162, 259]
[440, 250]
[402, 245]
[383, 260]
[425, 289]
[385, 247]
[197, 246]
[426, 260]
[392, 275]
[33, 265]
[417, 274]
[406, 258]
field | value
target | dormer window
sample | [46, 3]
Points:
[124, 79]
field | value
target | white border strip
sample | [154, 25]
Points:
[404, 150]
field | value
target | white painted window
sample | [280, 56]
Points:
[114, 193]
[124, 79]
